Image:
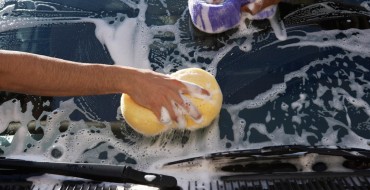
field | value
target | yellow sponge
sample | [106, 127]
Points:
[145, 122]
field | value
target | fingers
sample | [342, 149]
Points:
[195, 90]
[183, 103]
[174, 108]
[174, 105]
[257, 6]
[164, 116]
[180, 115]
[190, 108]
[165, 97]
[245, 8]
[171, 111]
[176, 111]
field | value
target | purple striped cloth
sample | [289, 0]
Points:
[215, 18]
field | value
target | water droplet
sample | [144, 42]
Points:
[56, 153]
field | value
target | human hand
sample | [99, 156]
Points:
[258, 6]
[164, 96]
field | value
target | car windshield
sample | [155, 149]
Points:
[300, 77]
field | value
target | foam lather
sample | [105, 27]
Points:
[145, 122]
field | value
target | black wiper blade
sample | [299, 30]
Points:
[280, 152]
[97, 172]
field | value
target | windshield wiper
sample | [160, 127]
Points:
[276, 159]
[283, 150]
[97, 172]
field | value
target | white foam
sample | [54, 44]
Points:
[278, 27]
[2, 3]
[284, 106]
[299, 104]
[11, 23]
[11, 111]
[127, 42]
[165, 116]
[50, 181]
[327, 38]
[150, 178]
[268, 117]
[137, 187]
[297, 119]
[46, 182]
[366, 5]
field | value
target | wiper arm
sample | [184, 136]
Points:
[97, 172]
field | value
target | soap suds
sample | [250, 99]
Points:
[150, 178]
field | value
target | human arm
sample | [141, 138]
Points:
[258, 6]
[41, 75]
[46, 76]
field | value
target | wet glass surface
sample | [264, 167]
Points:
[310, 89]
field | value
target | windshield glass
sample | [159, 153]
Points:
[300, 77]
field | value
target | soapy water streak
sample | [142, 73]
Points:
[366, 5]
[308, 105]
[101, 144]
[342, 100]
[350, 40]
